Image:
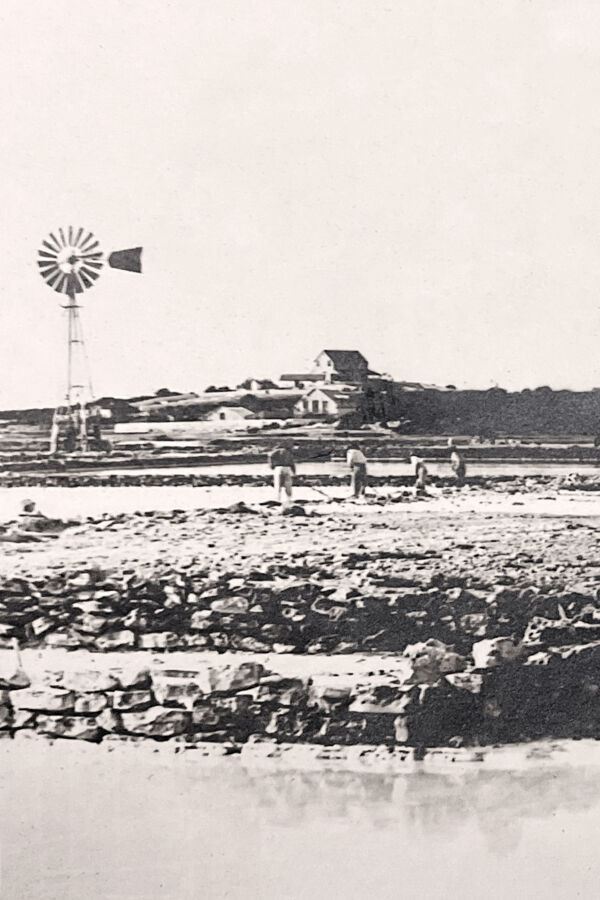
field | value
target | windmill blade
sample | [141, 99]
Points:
[85, 279]
[85, 242]
[89, 272]
[54, 279]
[55, 241]
[61, 235]
[63, 285]
[47, 263]
[48, 246]
[70, 235]
[51, 256]
[94, 264]
[73, 284]
[78, 237]
[128, 260]
[46, 273]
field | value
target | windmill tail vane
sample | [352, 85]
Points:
[128, 260]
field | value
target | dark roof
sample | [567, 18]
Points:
[346, 359]
[309, 376]
[335, 395]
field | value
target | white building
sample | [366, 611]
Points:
[320, 401]
[228, 414]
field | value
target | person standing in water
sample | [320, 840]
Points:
[357, 463]
[457, 463]
[283, 464]
[421, 476]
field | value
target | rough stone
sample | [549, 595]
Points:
[44, 699]
[89, 704]
[230, 605]
[160, 640]
[430, 660]
[156, 722]
[494, 652]
[180, 689]
[90, 681]
[236, 678]
[83, 728]
[132, 700]
[23, 718]
[116, 640]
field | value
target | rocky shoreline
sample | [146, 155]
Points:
[491, 624]
[505, 482]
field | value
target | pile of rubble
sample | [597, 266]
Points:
[231, 479]
[273, 609]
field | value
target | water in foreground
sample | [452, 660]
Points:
[80, 822]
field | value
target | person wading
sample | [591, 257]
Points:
[457, 464]
[357, 463]
[421, 476]
[282, 461]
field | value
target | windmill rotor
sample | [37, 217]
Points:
[71, 260]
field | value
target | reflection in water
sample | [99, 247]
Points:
[131, 824]
[428, 803]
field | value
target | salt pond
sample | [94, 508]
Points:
[83, 822]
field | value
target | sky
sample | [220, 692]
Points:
[417, 180]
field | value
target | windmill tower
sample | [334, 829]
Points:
[71, 263]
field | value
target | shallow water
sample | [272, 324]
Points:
[381, 467]
[76, 502]
[130, 824]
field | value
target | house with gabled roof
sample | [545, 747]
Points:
[330, 366]
[342, 365]
[325, 401]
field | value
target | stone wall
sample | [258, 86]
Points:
[435, 697]
[355, 603]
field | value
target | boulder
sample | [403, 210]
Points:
[430, 660]
[42, 625]
[45, 699]
[236, 678]
[5, 717]
[181, 689]
[90, 681]
[466, 681]
[495, 652]
[82, 728]
[230, 605]
[156, 722]
[93, 624]
[115, 640]
[110, 721]
[89, 704]
[200, 620]
[61, 640]
[132, 700]
[132, 675]
[158, 640]
[205, 718]
[23, 718]
[326, 694]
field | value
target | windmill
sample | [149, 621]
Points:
[70, 262]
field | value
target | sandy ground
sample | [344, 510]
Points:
[492, 533]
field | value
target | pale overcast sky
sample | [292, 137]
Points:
[418, 180]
